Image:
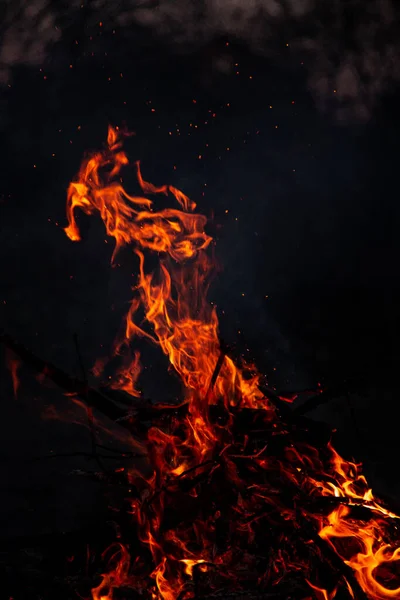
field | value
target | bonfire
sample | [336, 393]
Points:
[235, 496]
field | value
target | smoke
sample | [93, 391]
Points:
[349, 49]
[28, 31]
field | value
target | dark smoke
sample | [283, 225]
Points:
[349, 49]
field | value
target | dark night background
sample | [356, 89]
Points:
[281, 122]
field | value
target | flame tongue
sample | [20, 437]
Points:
[214, 493]
[174, 298]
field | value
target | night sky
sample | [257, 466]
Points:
[281, 122]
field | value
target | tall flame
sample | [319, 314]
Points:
[178, 318]
[174, 297]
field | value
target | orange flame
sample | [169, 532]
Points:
[170, 303]
[117, 577]
[322, 594]
[174, 298]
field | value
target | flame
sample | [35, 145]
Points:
[321, 593]
[175, 298]
[117, 577]
[190, 563]
[170, 309]
[373, 552]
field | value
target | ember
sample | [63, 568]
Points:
[238, 495]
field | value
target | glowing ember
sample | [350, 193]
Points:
[229, 482]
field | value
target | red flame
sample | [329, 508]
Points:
[170, 308]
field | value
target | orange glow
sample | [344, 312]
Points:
[174, 298]
[170, 309]
[322, 594]
[118, 576]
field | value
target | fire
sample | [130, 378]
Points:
[174, 299]
[373, 552]
[119, 575]
[322, 594]
[214, 492]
